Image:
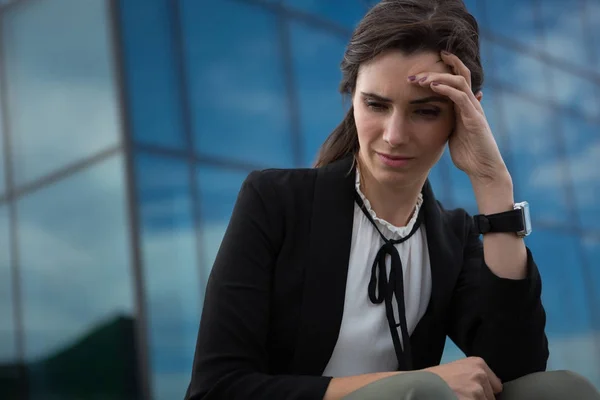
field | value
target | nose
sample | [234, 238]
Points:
[396, 131]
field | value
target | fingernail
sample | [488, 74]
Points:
[412, 78]
[435, 83]
[423, 79]
[444, 52]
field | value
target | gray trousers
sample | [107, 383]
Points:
[420, 385]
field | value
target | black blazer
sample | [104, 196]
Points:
[275, 296]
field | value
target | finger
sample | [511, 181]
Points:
[458, 66]
[488, 391]
[456, 81]
[460, 98]
[495, 382]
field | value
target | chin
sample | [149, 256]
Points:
[393, 178]
[399, 178]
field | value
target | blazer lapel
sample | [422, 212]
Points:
[445, 257]
[445, 250]
[327, 269]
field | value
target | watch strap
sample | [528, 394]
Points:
[507, 221]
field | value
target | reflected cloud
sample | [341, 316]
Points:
[58, 67]
[316, 56]
[582, 169]
[171, 277]
[564, 28]
[522, 71]
[237, 95]
[173, 289]
[240, 98]
[74, 255]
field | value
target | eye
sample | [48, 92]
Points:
[375, 106]
[428, 112]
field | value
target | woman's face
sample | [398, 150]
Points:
[402, 127]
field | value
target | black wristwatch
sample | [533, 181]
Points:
[516, 220]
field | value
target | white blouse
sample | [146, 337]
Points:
[364, 344]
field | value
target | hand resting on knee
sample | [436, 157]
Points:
[470, 378]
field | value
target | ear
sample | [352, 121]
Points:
[479, 96]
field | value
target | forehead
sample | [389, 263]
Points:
[388, 72]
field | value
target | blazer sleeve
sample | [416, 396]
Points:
[500, 320]
[231, 360]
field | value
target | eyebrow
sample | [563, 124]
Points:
[428, 99]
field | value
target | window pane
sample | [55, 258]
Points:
[462, 190]
[591, 246]
[563, 26]
[170, 266]
[239, 105]
[316, 57]
[2, 161]
[8, 353]
[486, 49]
[591, 12]
[344, 12]
[514, 19]
[12, 374]
[60, 84]
[592, 252]
[218, 193]
[534, 145]
[583, 154]
[574, 92]
[564, 296]
[439, 184]
[151, 73]
[2, 156]
[77, 286]
[519, 71]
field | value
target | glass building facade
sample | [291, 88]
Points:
[128, 126]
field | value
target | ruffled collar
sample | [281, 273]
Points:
[398, 231]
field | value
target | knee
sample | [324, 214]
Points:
[427, 385]
[568, 383]
[417, 385]
[559, 385]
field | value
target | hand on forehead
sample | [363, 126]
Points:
[387, 73]
[427, 62]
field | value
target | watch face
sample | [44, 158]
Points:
[524, 206]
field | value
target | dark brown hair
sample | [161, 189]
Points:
[411, 26]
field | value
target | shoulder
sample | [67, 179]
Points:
[280, 190]
[294, 180]
[280, 180]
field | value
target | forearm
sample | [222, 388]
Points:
[504, 253]
[340, 387]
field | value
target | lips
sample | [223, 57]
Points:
[394, 161]
[394, 158]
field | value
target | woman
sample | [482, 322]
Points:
[343, 281]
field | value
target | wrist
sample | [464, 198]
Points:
[494, 195]
[500, 177]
